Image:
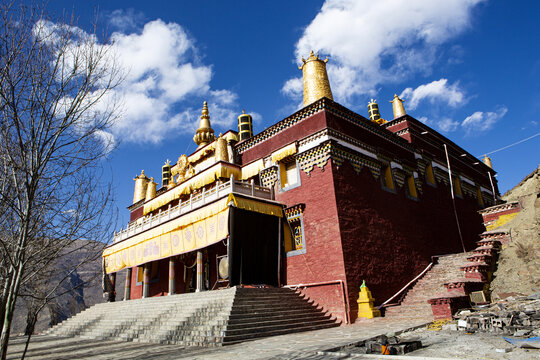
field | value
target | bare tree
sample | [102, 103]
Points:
[57, 86]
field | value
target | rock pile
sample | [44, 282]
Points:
[517, 316]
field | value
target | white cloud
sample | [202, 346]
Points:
[434, 91]
[482, 121]
[370, 42]
[107, 140]
[447, 124]
[293, 88]
[125, 19]
[164, 83]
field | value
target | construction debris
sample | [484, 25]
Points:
[516, 316]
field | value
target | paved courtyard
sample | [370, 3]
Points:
[304, 345]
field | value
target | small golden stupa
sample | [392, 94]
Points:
[204, 134]
[365, 303]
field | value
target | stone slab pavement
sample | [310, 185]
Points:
[303, 345]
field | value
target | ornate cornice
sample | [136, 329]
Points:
[333, 108]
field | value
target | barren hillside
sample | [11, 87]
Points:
[518, 270]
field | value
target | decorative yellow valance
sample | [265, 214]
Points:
[208, 176]
[252, 169]
[195, 230]
[154, 245]
[202, 153]
[284, 152]
[257, 206]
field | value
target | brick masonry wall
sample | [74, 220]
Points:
[323, 260]
[496, 215]
[388, 238]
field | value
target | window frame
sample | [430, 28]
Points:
[387, 167]
[303, 250]
[282, 167]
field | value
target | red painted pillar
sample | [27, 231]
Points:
[199, 272]
[172, 276]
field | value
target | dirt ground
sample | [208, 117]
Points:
[460, 345]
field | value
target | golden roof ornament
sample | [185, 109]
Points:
[221, 153]
[141, 184]
[204, 134]
[397, 107]
[151, 189]
[315, 79]
[487, 161]
[374, 114]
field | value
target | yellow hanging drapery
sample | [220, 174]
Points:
[284, 152]
[252, 169]
[195, 230]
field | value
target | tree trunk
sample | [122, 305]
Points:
[8, 316]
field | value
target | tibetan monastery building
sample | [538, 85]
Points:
[325, 198]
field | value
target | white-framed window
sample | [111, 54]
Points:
[289, 176]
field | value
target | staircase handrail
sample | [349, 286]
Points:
[408, 284]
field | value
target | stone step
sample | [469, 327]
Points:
[229, 340]
[198, 319]
[265, 328]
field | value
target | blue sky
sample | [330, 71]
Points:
[468, 68]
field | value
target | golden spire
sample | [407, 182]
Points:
[205, 133]
[151, 189]
[487, 161]
[141, 184]
[397, 106]
[221, 153]
[374, 114]
[316, 83]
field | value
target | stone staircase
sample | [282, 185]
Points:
[210, 318]
[415, 303]
[446, 287]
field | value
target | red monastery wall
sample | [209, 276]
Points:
[323, 260]
[389, 238]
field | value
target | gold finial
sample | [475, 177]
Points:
[151, 190]
[245, 126]
[204, 134]
[221, 153]
[397, 107]
[487, 161]
[166, 173]
[141, 184]
[316, 83]
[374, 114]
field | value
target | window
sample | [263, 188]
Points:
[411, 187]
[288, 173]
[430, 177]
[154, 273]
[479, 197]
[295, 242]
[457, 186]
[386, 176]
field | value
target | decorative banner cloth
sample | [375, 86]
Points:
[189, 232]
